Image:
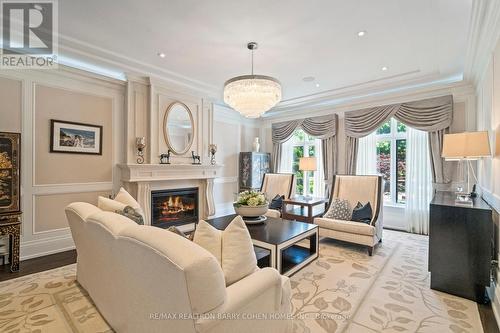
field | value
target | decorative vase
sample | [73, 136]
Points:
[256, 145]
[251, 211]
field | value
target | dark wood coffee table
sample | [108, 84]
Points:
[285, 245]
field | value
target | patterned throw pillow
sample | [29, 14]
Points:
[179, 232]
[340, 209]
[132, 214]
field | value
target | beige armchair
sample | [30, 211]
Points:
[277, 183]
[355, 188]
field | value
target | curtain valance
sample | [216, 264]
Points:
[432, 115]
[427, 115]
[322, 127]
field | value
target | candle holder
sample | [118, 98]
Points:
[213, 149]
[140, 143]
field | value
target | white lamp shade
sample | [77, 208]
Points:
[466, 146]
[307, 164]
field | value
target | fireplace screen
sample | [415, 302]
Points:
[174, 207]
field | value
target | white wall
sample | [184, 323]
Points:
[488, 118]
[232, 134]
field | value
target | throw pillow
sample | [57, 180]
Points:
[362, 213]
[109, 205]
[132, 214]
[232, 247]
[277, 202]
[125, 198]
[340, 209]
[177, 231]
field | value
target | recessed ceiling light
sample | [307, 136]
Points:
[161, 54]
[317, 85]
[308, 79]
[361, 33]
[384, 68]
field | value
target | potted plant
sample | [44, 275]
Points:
[251, 204]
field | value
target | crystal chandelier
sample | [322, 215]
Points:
[252, 95]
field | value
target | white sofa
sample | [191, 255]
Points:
[141, 277]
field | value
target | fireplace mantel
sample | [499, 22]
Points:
[160, 172]
[141, 178]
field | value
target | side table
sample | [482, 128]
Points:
[10, 225]
[307, 210]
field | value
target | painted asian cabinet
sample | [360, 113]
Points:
[252, 168]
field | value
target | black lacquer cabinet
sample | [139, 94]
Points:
[460, 246]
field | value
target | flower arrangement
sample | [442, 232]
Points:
[250, 198]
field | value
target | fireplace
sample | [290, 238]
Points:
[174, 207]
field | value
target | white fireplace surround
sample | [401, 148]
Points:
[141, 179]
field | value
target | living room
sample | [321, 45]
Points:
[190, 166]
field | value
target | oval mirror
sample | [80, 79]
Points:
[178, 128]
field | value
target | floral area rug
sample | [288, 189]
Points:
[345, 290]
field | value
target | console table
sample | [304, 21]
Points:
[460, 246]
[10, 225]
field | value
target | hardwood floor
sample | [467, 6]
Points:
[40, 264]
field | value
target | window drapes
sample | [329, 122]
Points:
[323, 127]
[433, 115]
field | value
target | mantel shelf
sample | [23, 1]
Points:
[160, 172]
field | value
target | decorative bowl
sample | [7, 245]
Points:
[251, 211]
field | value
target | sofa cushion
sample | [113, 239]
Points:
[233, 247]
[362, 213]
[209, 238]
[124, 197]
[339, 210]
[346, 226]
[109, 205]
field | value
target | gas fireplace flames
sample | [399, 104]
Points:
[175, 205]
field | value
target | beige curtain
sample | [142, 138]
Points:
[433, 115]
[323, 127]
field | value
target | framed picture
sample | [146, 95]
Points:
[75, 138]
[10, 169]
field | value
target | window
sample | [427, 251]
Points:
[300, 145]
[391, 160]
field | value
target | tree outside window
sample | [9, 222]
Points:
[391, 160]
[303, 146]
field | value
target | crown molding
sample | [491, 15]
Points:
[69, 46]
[484, 32]
[462, 91]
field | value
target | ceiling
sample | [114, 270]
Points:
[204, 42]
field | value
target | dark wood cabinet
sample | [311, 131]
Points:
[252, 167]
[460, 246]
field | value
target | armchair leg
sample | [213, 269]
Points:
[370, 251]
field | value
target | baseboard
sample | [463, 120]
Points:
[43, 247]
[494, 295]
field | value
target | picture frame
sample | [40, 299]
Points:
[75, 138]
[10, 173]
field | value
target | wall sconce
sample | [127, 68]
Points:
[213, 149]
[140, 143]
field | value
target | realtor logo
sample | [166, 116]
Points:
[29, 38]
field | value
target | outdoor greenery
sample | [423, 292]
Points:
[300, 137]
[384, 161]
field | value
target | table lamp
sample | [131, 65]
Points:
[307, 164]
[466, 147]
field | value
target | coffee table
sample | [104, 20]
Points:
[285, 245]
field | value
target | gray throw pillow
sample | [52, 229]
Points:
[132, 214]
[340, 209]
[179, 232]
